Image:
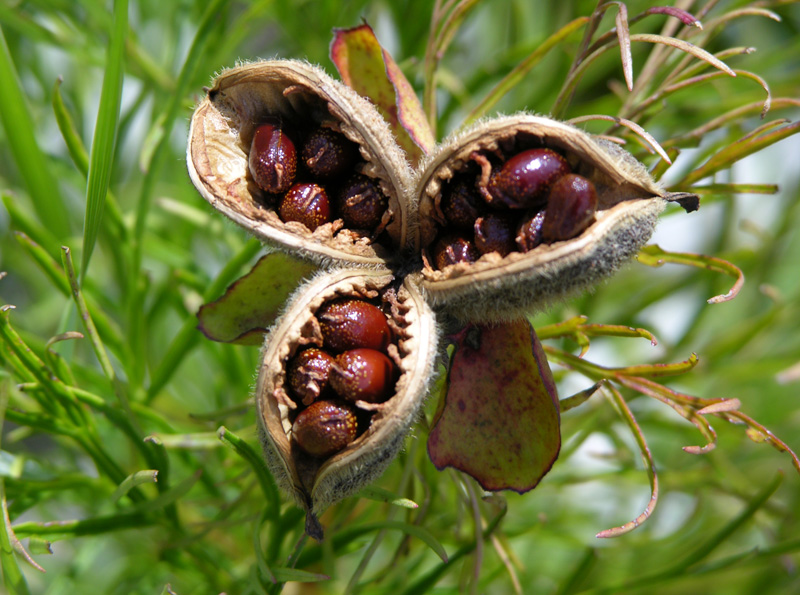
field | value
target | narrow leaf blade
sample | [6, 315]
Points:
[105, 134]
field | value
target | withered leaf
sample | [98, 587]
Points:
[251, 303]
[369, 69]
[500, 419]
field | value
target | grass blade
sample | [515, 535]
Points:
[105, 134]
[21, 138]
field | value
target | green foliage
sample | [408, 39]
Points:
[106, 381]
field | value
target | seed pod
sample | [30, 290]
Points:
[301, 96]
[317, 482]
[497, 287]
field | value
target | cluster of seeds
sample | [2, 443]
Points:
[511, 205]
[308, 177]
[351, 367]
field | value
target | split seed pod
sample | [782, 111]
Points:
[317, 482]
[300, 97]
[498, 287]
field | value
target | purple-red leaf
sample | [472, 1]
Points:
[251, 304]
[499, 421]
[369, 69]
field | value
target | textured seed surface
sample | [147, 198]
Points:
[462, 204]
[452, 249]
[307, 204]
[570, 208]
[308, 373]
[328, 154]
[529, 234]
[524, 180]
[363, 375]
[272, 159]
[495, 233]
[351, 323]
[325, 427]
[361, 204]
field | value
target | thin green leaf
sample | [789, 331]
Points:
[255, 461]
[647, 457]
[648, 138]
[105, 134]
[733, 188]
[382, 495]
[195, 441]
[579, 398]
[55, 530]
[654, 256]
[729, 117]
[684, 46]
[521, 70]
[67, 127]
[138, 478]
[94, 337]
[31, 162]
[80, 158]
[741, 12]
[13, 578]
[283, 575]
[624, 38]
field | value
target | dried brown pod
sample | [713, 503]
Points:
[303, 97]
[503, 287]
[315, 483]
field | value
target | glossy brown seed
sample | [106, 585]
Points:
[452, 249]
[272, 158]
[352, 323]
[524, 180]
[361, 204]
[308, 373]
[307, 204]
[529, 234]
[494, 233]
[462, 204]
[363, 375]
[570, 208]
[328, 154]
[325, 427]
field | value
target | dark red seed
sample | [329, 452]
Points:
[452, 249]
[524, 180]
[351, 323]
[529, 234]
[325, 427]
[307, 204]
[308, 374]
[363, 375]
[361, 204]
[494, 233]
[570, 208]
[462, 204]
[328, 154]
[272, 159]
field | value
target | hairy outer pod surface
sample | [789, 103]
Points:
[317, 481]
[302, 98]
[535, 272]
